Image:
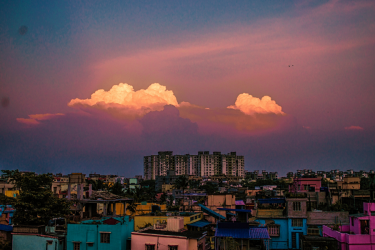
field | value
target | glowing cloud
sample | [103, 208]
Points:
[354, 128]
[251, 105]
[34, 119]
[154, 97]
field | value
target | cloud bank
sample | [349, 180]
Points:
[122, 101]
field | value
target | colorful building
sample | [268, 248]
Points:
[300, 185]
[230, 235]
[146, 208]
[285, 219]
[35, 238]
[107, 233]
[359, 234]
[171, 237]
[146, 220]
[6, 214]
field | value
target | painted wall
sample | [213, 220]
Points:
[86, 232]
[141, 221]
[162, 241]
[12, 193]
[35, 242]
[351, 241]
[356, 228]
[146, 208]
[292, 229]
[280, 242]
[299, 183]
[327, 218]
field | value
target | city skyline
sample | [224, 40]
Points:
[95, 87]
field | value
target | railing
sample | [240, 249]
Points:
[270, 212]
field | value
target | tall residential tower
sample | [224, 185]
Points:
[204, 164]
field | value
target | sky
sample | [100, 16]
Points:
[93, 86]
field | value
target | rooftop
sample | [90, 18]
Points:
[187, 234]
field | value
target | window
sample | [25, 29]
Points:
[150, 247]
[76, 246]
[352, 219]
[104, 237]
[172, 247]
[313, 231]
[274, 230]
[297, 222]
[296, 206]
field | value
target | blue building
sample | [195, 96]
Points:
[108, 233]
[285, 219]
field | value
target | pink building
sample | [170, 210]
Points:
[305, 185]
[359, 234]
[175, 237]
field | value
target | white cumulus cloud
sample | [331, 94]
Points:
[123, 94]
[251, 105]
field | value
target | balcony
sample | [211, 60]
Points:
[346, 240]
[270, 212]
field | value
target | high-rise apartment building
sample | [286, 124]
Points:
[203, 164]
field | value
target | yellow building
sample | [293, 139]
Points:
[142, 221]
[165, 188]
[145, 208]
[351, 183]
[12, 193]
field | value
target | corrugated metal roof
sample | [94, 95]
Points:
[243, 233]
[259, 233]
[6, 228]
[235, 210]
[199, 224]
[237, 233]
[211, 212]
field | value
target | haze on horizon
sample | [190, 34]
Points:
[93, 86]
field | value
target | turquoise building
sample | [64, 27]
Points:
[107, 233]
[285, 219]
[36, 242]
[36, 238]
[286, 232]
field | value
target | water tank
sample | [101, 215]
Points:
[175, 224]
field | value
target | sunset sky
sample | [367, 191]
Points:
[93, 86]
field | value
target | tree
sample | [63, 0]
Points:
[116, 189]
[194, 183]
[365, 183]
[182, 182]
[36, 204]
[5, 200]
[97, 185]
[163, 198]
[210, 187]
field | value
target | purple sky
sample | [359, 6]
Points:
[318, 113]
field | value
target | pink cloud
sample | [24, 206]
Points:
[34, 119]
[353, 128]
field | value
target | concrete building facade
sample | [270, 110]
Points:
[204, 164]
